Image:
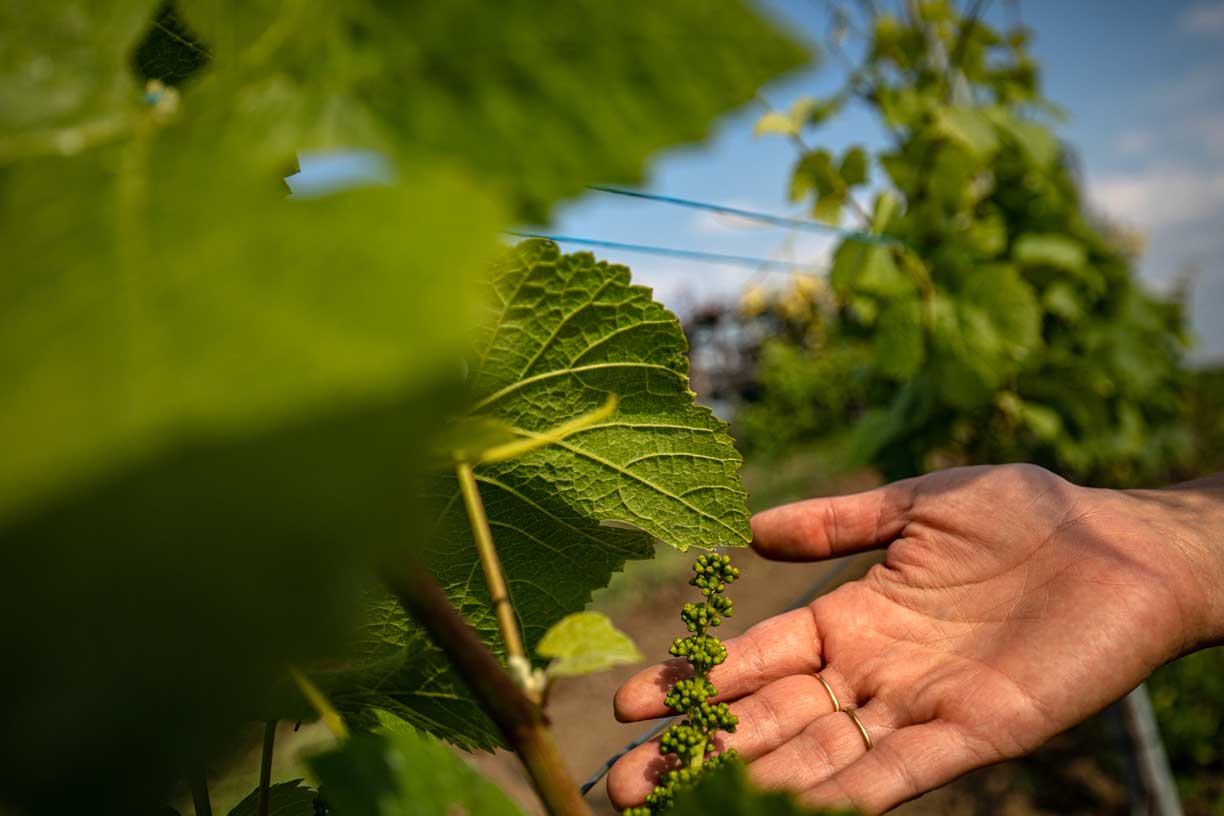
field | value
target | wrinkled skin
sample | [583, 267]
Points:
[1010, 606]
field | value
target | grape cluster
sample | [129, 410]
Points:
[691, 741]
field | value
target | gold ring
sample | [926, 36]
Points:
[861, 729]
[836, 705]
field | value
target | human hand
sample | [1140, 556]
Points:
[1011, 605]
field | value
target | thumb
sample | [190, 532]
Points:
[815, 529]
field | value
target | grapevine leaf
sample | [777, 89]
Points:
[533, 103]
[404, 774]
[899, 344]
[1010, 305]
[972, 127]
[560, 334]
[853, 168]
[284, 799]
[828, 207]
[868, 269]
[1057, 251]
[585, 643]
[775, 122]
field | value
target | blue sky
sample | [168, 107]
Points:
[1143, 82]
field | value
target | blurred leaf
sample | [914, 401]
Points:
[535, 105]
[1060, 299]
[988, 235]
[815, 172]
[853, 168]
[727, 792]
[828, 208]
[870, 269]
[775, 122]
[1044, 421]
[1010, 305]
[213, 416]
[404, 774]
[1033, 138]
[900, 346]
[585, 643]
[65, 64]
[970, 127]
[284, 799]
[820, 110]
[1053, 250]
[803, 111]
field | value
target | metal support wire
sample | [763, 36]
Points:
[1159, 791]
[759, 217]
[822, 585]
[690, 254]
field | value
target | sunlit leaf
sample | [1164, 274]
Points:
[585, 643]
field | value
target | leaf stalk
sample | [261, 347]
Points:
[521, 721]
[490, 563]
[265, 768]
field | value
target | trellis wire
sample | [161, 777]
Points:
[689, 254]
[760, 217]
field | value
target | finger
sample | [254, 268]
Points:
[823, 748]
[902, 766]
[767, 719]
[780, 646]
[837, 525]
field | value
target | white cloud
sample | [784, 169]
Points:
[1134, 142]
[1161, 196]
[1202, 18]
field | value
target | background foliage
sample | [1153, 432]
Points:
[1002, 321]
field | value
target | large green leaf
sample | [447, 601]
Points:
[540, 99]
[212, 414]
[560, 334]
[404, 774]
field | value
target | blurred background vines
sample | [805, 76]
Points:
[986, 315]
[1002, 321]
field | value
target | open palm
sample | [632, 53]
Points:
[1011, 605]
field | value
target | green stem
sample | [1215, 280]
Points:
[319, 702]
[197, 780]
[265, 767]
[499, 595]
[521, 721]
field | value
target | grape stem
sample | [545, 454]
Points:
[197, 780]
[495, 579]
[265, 767]
[521, 721]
